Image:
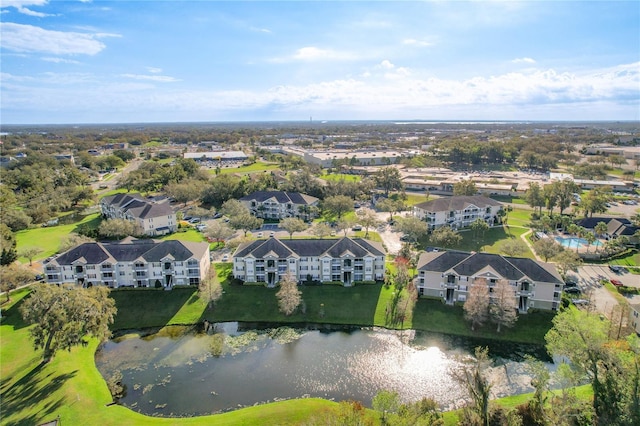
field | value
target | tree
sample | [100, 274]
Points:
[368, 219]
[389, 179]
[293, 224]
[62, 317]
[232, 208]
[412, 227]
[566, 261]
[119, 228]
[185, 191]
[390, 205]
[547, 248]
[534, 196]
[338, 205]
[479, 226]
[385, 402]
[445, 237]
[344, 225]
[582, 337]
[476, 307]
[289, 296]
[246, 222]
[473, 376]
[513, 247]
[465, 187]
[321, 230]
[73, 240]
[503, 305]
[30, 253]
[218, 231]
[210, 289]
[13, 276]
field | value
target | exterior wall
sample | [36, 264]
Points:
[322, 269]
[131, 274]
[452, 288]
[456, 218]
[148, 225]
[271, 209]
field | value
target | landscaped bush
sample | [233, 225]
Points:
[249, 283]
[136, 288]
[332, 283]
[628, 290]
[364, 282]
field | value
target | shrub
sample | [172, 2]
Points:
[254, 283]
[364, 282]
[158, 284]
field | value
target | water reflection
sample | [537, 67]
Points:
[180, 372]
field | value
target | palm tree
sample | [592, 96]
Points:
[590, 239]
[600, 229]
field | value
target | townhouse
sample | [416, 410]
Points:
[458, 211]
[131, 263]
[346, 260]
[153, 217]
[280, 204]
[449, 275]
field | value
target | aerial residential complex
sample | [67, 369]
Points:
[280, 205]
[131, 263]
[449, 275]
[345, 260]
[154, 218]
[458, 211]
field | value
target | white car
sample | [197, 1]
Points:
[225, 258]
[260, 235]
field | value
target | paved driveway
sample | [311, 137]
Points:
[602, 300]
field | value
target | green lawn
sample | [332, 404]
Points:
[339, 176]
[48, 239]
[252, 168]
[186, 234]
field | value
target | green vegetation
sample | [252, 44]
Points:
[252, 168]
[336, 177]
[186, 234]
[48, 239]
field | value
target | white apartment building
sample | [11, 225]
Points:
[280, 204]
[346, 260]
[458, 211]
[152, 217]
[131, 263]
[449, 275]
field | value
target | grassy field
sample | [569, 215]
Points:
[48, 239]
[336, 177]
[252, 168]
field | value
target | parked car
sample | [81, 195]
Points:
[617, 269]
[580, 301]
[573, 290]
[225, 258]
[570, 284]
[260, 235]
[617, 283]
[357, 228]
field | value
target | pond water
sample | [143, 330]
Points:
[183, 372]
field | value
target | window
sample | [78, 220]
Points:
[271, 263]
[194, 281]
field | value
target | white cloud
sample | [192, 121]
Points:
[610, 93]
[20, 6]
[260, 30]
[523, 61]
[28, 38]
[414, 42]
[59, 60]
[386, 64]
[312, 53]
[154, 70]
[158, 78]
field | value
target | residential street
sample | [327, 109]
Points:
[602, 300]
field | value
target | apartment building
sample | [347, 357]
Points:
[458, 211]
[131, 263]
[449, 275]
[346, 260]
[154, 218]
[280, 204]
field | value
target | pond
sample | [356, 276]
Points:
[182, 371]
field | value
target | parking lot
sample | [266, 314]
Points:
[601, 300]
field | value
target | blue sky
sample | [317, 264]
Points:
[187, 61]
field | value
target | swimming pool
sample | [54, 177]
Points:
[575, 242]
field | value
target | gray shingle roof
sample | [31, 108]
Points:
[310, 247]
[468, 264]
[129, 250]
[280, 196]
[457, 202]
